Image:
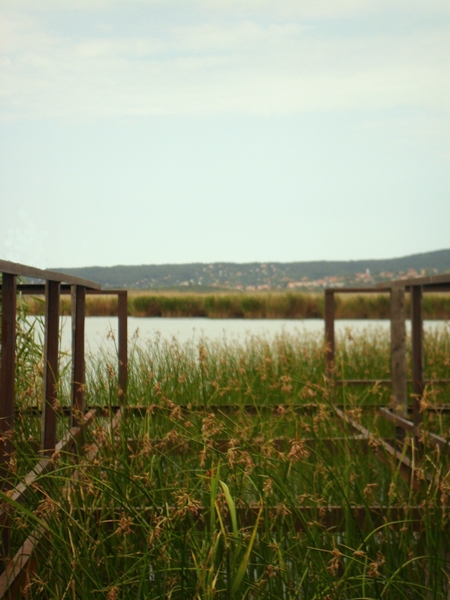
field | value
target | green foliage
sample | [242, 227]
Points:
[187, 501]
[257, 305]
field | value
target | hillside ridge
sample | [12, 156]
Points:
[301, 275]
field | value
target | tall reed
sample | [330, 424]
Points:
[220, 486]
[261, 305]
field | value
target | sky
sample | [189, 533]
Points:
[177, 131]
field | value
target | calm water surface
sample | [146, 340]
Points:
[101, 331]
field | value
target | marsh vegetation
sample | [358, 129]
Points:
[258, 305]
[230, 474]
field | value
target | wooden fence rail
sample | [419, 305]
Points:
[53, 285]
[398, 382]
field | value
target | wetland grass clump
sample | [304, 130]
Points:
[248, 305]
[96, 306]
[237, 479]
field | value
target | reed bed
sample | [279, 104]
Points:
[247, 305]
[220, 485]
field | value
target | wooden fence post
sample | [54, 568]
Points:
[417, 351]
[7, 379]
[398, 351]
[78, 358]
[123, 346]
[49, 414]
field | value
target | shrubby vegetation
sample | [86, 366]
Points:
[218, 487]
[281, 305]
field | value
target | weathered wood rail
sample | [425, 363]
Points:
[398, 382]
[54, 285]
[17, 569]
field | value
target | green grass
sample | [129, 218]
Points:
[190, 502]
[248, 305]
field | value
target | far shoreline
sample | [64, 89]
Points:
[248, 305]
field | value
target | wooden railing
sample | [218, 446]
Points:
[398, 382]
[54, 285]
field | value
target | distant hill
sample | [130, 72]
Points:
[270, 275]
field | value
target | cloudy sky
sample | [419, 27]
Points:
[170, 131]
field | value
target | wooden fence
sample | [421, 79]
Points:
[54, 285]
[16, 570]
[398, 382]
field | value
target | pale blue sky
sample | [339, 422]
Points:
[158, 131]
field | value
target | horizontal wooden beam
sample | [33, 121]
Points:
[417, 430]
[19, 569]
[407, 466]
[358, 290]
[14, 577]
[387, 382]
[104, 410]
[38, 289]
[21, 491]
[429, 281]
[27, 271]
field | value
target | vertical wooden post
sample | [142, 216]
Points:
[49, 415]
[78, 358]
[398, 351]
[123, 346]
[417, 351]
[329, 333]
[7, 377]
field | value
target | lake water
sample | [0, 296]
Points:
[194, 329]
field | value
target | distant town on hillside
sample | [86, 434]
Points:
[265, 276]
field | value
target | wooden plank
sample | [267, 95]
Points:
[17, 572]
[74, 433]
[49, 415]
[443, 287]
[398, 351]
[431, 280]
[7, 371]
[123, 346]
[417, 352]
[351, 382]
[140, 409]
[7, 380]
[27, 271]
[95, 448]
[78, 355]
[38, 289]
[19, 569]
[405, 464]
[360, 290]
[417, 430]
[22, 490]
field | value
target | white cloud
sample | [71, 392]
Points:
[243, 66]
[249, 8]
[119, 48]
